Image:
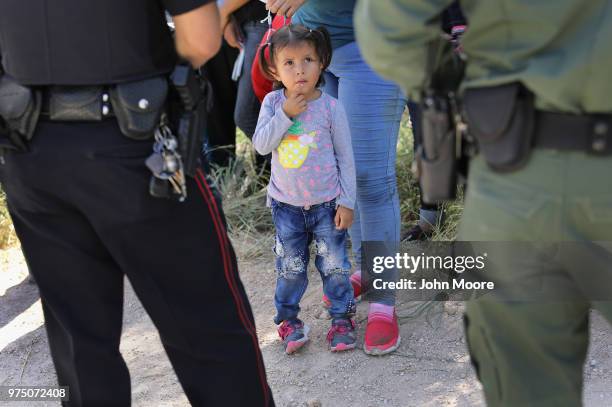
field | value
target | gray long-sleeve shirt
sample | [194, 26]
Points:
[312, 155]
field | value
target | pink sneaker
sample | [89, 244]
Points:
[294, 335]
[382, 334]
[341, 335]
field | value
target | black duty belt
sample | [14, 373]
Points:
[76, 103]
[136, 105]
[566, 132]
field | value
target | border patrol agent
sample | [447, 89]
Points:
[537, 96]
[78, 192]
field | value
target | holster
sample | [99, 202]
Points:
[502, 118]
[19, 109]
[437, 156]
[138, 106]
[192, 100]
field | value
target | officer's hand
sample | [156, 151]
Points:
[294, 105]
[231, 35]
[284, 7]
[344, 218]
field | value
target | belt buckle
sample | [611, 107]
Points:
[307, 207]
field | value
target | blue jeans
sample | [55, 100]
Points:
[374, 108]
[247, 107]
[296, 228]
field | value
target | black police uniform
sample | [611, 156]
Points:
[81, 207]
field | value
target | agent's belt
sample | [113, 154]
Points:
[560, 131]
[136, 105]
[76, 103]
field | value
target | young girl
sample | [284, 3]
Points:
[312, 185]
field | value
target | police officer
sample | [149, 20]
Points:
[78, 192]
[537, 97]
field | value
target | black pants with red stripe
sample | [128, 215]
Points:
[81, 207]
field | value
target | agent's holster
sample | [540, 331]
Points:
[442, 157]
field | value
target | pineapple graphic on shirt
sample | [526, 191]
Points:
[294, 148]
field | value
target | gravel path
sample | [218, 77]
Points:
[431, 367]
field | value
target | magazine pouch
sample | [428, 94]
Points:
[139, 105]
[501, 118]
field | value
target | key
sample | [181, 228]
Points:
[179, 183]
[155, 163]
[165, 163]
[171, 163]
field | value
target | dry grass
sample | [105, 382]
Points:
[7, 232]
[244, 197]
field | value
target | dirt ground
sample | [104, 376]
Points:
[431, 367]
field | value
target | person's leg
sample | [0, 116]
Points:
[332, 260]
[592, 217]
[334, 267]
[292, 256]
[181, 264]
[81, 291]
[374, 108]
[247, 104]
[221, 129]
[292, 242]
[81, 287]
[528, 354]
[247, 108]
[331, 88]
[531, 352]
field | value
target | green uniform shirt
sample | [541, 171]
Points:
[560, 49]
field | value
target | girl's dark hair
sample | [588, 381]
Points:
[290, 35]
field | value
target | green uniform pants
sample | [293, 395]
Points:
[532, 353]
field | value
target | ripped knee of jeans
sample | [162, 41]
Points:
[331, 263]
[291, 267]
[335, 271]
[322, 248]
[278, 248]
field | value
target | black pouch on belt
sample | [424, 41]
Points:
[20, 109]
[138, 106]
[501, 118]
[75, 103]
